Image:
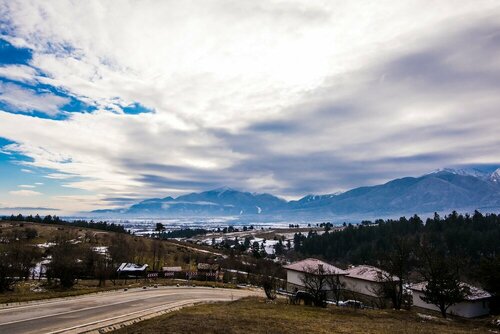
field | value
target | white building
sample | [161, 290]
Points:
[295, 272]
[365, 280]
[476, 304]
[131, 269]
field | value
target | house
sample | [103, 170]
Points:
[132, 269]
[364, 280]
[295, 273]
[476, 304]
[207, 271]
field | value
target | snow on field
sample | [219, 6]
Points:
[40, 267]
[100, 249]
[46, 245]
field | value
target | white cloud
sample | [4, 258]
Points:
[100, 146]
[59, 176]
[26, 186]
[22, 73]
[39, 183]
[27, 100]
[25, 193]
[29, 171]
[227, 63]
[324, 74]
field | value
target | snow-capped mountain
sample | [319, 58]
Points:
[442, 190]
[487, 176]
[220, 201]
[495, 176]
[464, 172]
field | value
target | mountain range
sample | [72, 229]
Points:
[443, 190]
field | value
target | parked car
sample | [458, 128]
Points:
[351, 303]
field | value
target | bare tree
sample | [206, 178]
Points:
[17, 258]
[318, 281]
[66, 264]
[158, 250]
[336, 286]
[141, 250]
[120, 249]
[269, 284]
[103, 268]
[396, 264]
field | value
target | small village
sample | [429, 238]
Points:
[268, 264]
[231, 258]
[357, 286]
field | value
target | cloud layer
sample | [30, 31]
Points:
[290, 98]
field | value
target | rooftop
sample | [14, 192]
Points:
[171, 269]
[475, 293]
[132, 267]
[311, 265]
[208, 266]
[368, 273]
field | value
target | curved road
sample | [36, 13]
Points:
[92, 312]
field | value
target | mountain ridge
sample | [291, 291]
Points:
[441, 190]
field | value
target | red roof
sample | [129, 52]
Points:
[475, 293]
[368, 273]
[312, 265]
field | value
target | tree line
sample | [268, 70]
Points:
[53, 219]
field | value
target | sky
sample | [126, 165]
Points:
[105, 103]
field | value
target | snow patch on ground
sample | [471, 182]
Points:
[46, 245]
[100, 249]
[425, 316]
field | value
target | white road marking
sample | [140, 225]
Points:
[160, 308]
[79, 310]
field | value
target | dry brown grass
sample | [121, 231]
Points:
[173, 253]
[256, 316]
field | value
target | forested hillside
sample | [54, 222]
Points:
[472, 237]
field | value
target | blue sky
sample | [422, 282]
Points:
[106, 103]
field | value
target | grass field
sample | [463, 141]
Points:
[254, 315]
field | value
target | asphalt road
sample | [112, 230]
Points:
[91, 312]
